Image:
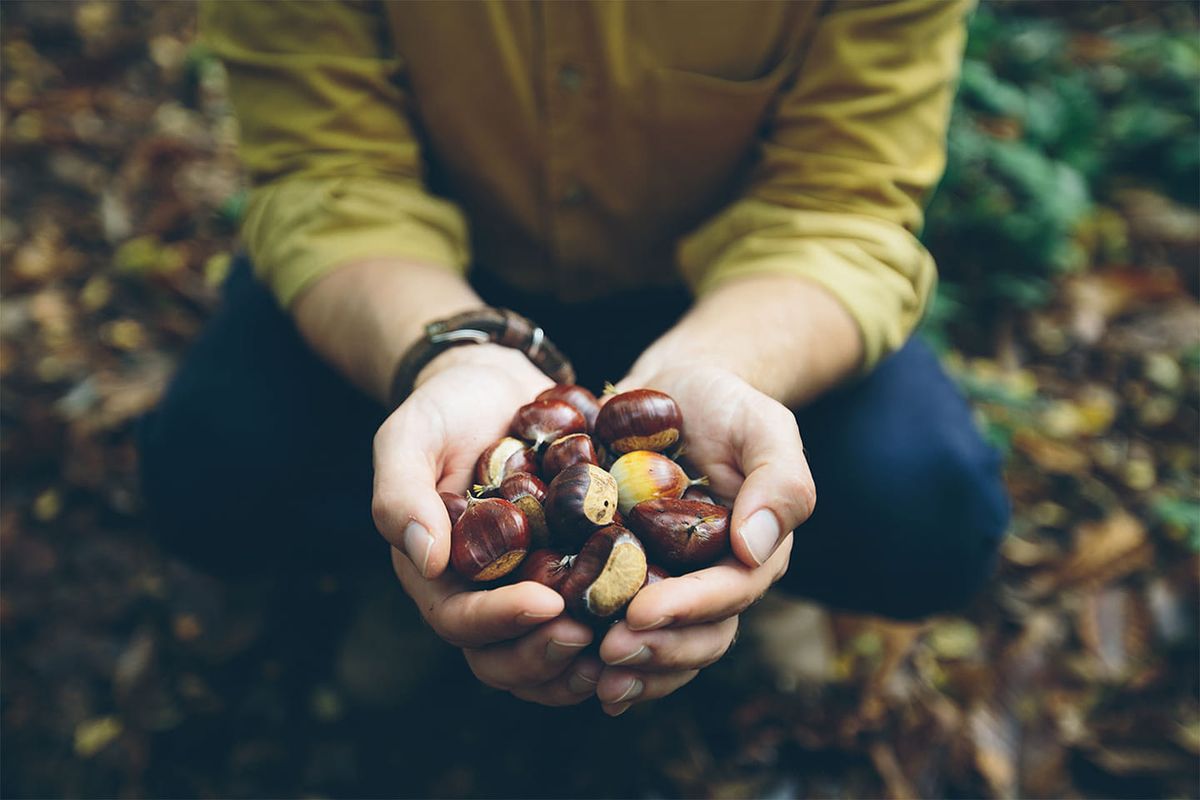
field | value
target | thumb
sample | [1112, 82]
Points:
[778, 493]
[406, 506]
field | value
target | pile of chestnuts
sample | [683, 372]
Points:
[587, 499]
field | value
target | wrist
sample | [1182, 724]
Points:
[482, 356]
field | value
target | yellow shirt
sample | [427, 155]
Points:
[579, 148]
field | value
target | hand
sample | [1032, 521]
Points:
[515, 637]
[750, 449]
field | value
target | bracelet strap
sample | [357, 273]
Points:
[480, 326]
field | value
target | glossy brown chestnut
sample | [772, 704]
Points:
[544, 421]
[654, 574]
[506, 456]
[682, 534]
[489, 540]
[607, 573]
[522, 484]
[527, 492]
[577, 397]
[547, 567]
[642, 419]
[580, 499]
[456, 504]
[577, 448]
[645, 475]
[701, 494]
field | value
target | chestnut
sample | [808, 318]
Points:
[702, 494]
[456, 504]
[547, 567]
[527, 492]
[654, 574]
[546, 420]
[682, 534]
[489, 540]
[642, 419]
[577, 448]
[580, 499]
[577, 397]
[506, 456]
[607, 573]
[646, 475]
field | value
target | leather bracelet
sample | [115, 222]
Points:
[480, 326]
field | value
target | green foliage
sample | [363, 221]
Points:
[1047, 124]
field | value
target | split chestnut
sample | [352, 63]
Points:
[506, 456]
[581, 499]
[607, 573]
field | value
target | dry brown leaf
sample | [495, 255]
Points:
[1106, 550]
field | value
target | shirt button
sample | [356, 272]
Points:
[574, 195]
[570, 77]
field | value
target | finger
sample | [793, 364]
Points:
[778, 493]
[467, 617]
[723, 590]
[620, 688]
[668, 649]
[573, 686]
[405, 504]
[534, 659]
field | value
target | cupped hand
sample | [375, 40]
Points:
[515, 637]
[749, 447]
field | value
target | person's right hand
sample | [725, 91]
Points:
[515, 637]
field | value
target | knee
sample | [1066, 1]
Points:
[947, 528]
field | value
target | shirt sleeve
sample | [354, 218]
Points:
[853, 148]
[335, 166]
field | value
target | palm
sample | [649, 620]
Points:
[714, 408]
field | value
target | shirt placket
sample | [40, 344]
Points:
[565, 86]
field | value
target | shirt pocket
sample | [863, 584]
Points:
[704, 135]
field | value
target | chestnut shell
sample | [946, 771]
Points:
[527, 492]
[547, 567]
[576, 396]
[607, 573]
[577, 448]
[489, 540]
[654, 573]
[546, 420]
[456, 504]
[642, 419]
[645, 475]
[520, 458]
[681, 534]
[580, 499]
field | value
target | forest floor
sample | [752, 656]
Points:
[127, 673]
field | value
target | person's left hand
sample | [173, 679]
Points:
[749, 447]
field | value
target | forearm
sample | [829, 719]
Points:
[785, 336]
[363, 316]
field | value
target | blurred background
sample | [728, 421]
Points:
[1068, 233]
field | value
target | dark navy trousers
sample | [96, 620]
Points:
[259, 456]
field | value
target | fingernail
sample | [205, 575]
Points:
[580, 683]
[617, 710]
[632, 692]
[661, 622]
[760, 533]
[418, 544]
[639, 656]
[557, 652]
[526, 618]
